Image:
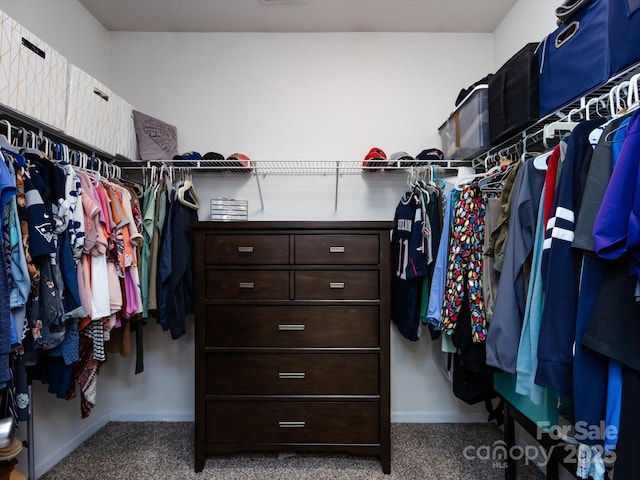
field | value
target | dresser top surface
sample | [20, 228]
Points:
[292, 225]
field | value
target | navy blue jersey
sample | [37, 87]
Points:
[408, 266]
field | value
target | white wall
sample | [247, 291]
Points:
[68, 27]
[527, 21]
[292, 95]
[299, 96]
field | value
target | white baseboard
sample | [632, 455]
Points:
[437, 417]
[70, 446]
[124, 416]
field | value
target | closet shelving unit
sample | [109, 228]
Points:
[14, 125]
[335, 168]
[536, 137]
[47, 136]
[612, 96]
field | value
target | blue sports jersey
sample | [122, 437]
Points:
[408, 266]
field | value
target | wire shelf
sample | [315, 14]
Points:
[296, 167]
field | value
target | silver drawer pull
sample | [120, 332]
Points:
[291, 375]
[336, 284]
[245, 249]
[291, 424]
[336, 249]
[283, 327]
[247, 285]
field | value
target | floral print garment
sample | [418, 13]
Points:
[464, 269]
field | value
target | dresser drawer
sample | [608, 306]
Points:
[247, 285]
[337, 249]
[247, 249]
[293, 422]
[336, 285]
[294, 326]
[292, 373]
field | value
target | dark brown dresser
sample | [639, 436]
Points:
[292, 338]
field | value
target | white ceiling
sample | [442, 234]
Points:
[300, 15]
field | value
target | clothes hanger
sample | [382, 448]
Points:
[550, 131]
[496, 176]
[411, 179]
[187, 194]
[5, 144]
[633, 96]
[42, 139]
[597, 102]
[618, 100]
[28, 144]
[5, 140]
[540, 161]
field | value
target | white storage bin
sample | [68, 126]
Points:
[89, 111]
[465, 134]
[33, 76]
[123, 129]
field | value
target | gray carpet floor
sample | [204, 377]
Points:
[160, 450]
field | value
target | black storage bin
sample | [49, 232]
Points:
[513, 95]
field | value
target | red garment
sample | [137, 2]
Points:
[550, 182]
[85, 372]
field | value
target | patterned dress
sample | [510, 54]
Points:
[464, 270]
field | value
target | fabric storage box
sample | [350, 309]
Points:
[33, 76]
[574, 59]
[513, 95]
[624, 34]
[122, 127]
[466, 131]
[89, 112]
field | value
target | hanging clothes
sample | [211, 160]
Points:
[560, 285]
[175, 278]
[509, 309]
[439, 276]
[498, 235]
[464, 271]
[489, 273]
[527, 356]
[409, 265]
[7, 192]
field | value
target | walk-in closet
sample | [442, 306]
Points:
[254, 239]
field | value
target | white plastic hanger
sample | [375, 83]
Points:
[4, 139]
[551, 129]
[187, 194]
[540, 161]
[633, 98]
[618, 100]
[597, 102]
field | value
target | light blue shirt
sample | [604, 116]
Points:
[436, 293]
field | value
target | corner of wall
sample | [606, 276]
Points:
[56, 456]
[527, 21]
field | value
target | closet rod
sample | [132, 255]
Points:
[293, 167]
[262, 168]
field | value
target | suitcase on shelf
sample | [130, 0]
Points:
[513, 95]
[575, 58]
